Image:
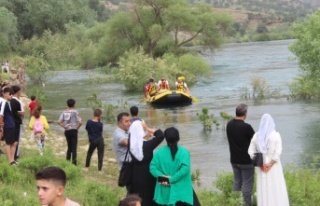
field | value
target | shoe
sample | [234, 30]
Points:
[17, 162]
[13, 163]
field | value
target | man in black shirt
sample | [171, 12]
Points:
[239, 136]
[18, 112]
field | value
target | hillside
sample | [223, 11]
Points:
[313, 3]
[268, 11]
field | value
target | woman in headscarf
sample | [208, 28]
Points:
[143, 183]
[171, 166]
[271, 186]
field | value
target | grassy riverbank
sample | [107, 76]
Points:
[17, 184]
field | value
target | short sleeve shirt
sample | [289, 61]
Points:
[70, 119]
[16, 107]
[118, 135]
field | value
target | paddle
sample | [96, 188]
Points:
[195, 100]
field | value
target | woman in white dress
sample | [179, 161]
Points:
[271, 186]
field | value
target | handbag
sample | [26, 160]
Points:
[125, 175]
[257, 160]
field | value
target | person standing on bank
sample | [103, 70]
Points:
[239, 136]
[7, 125]
[120, 137]
[17, 109]
[171, 165]
[70, 120]
[271, 186]
[94, 128]
[143, 183]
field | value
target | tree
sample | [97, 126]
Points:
[307, 49]
[9, 32]
[162, 26]
[34, 16]
[135, 68]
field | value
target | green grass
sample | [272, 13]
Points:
[18, 185]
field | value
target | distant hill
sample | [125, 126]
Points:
[251, 16]
[313, 3]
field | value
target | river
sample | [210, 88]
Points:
[233, 66]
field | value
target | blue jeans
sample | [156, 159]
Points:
[243, 180]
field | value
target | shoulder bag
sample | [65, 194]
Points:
[125, 175]
[257, 160]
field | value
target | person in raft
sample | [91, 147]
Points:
[181, 85]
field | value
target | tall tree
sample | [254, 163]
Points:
[8, 31]
[34, 16]
[160, 26]
[307, 49]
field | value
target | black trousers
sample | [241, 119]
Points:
[72, 141]
[99, 144]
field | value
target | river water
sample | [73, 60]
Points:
[233, 66]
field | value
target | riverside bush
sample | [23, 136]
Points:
[207, 119]
[136, 68]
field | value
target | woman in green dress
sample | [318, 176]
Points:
[171, 166]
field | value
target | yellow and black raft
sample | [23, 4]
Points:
[171, 98]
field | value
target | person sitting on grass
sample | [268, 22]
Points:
[94, 128]
[51, 182]
[39, 124]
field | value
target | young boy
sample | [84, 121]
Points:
[32, 104]
[7, 126]
[71, 122]
[94, 128]
[51, 182]
[18, 114]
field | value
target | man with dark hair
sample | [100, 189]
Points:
[18, 113]
[120, 137]
[7, 125]
[134, 110]
[70, 120]
[51, 182]
[239, 136]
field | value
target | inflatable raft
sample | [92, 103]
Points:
[170, 98]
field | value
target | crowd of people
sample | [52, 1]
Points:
[152, 88]
[159, 176]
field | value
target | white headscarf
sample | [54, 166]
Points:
[136, 139]
[266, 127]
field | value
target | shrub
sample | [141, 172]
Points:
[136, 68]
[259, 89]
[206, 119]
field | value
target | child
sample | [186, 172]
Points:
[51, 182]
[39, 124]
[32, 105]
[71, 121]
[94, 128]
[131, 200]
[7, 125]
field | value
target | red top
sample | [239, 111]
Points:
[33, 105]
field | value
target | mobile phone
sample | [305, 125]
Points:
[163, 179]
